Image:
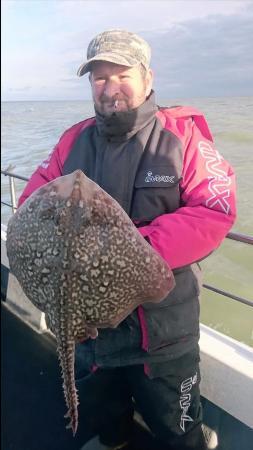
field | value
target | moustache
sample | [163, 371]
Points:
[112, 100]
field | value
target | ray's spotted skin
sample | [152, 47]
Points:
[80, 259]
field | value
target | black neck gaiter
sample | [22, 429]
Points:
[124, 124]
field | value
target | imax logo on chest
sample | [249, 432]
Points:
[150, 178]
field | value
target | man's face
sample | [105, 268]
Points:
[111, 82]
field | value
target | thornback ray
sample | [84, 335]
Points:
[79, 258]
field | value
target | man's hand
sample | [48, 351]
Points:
[87, 333]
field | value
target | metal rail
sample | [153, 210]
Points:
[13, 175]
[240, 237]
[227, 294]
[8, 204]
[245, 239]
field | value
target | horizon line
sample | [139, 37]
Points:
[159, 97]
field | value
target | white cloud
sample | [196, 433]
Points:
[140, 15]
[47, 49]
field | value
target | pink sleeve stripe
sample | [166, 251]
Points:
[174, 120]
[52, 167]
[187, 235]
[143, 326]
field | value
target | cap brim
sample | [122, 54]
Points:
[114, 58]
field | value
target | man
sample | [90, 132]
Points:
[161, 165]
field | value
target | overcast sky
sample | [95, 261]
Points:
[199, 48]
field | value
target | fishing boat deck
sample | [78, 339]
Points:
[32, 399]
[33, 405]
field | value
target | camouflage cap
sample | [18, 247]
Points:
[119, 47]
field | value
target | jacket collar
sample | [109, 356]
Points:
[121, 126]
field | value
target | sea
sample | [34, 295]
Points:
[31, 129]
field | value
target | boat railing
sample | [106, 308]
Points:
[243, 238]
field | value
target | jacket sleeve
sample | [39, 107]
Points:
[208, 208]
[52, 167]
[47, 171]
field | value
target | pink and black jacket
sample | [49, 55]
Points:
[161, 165]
